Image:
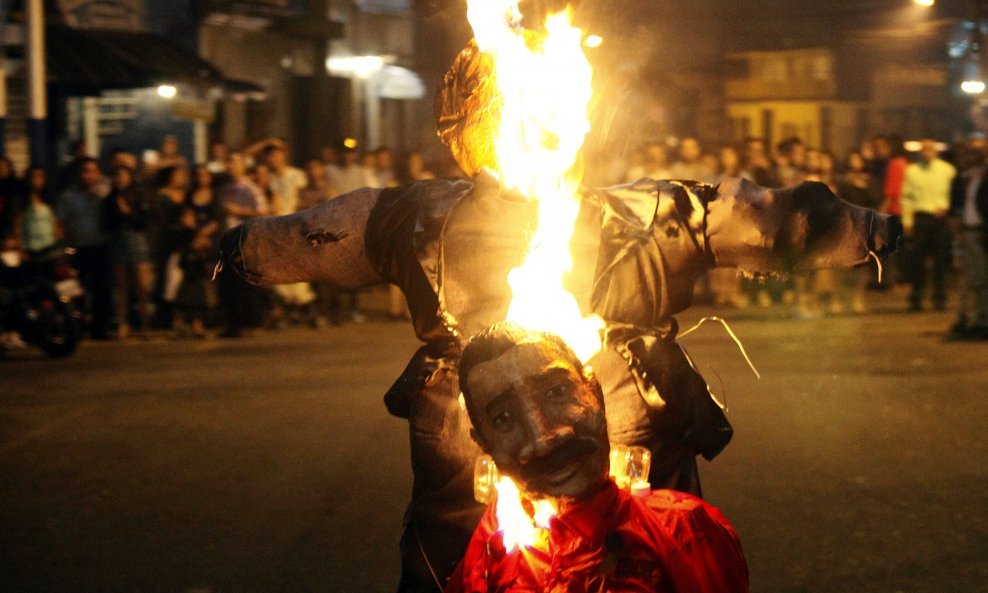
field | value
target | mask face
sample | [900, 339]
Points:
[541, 420]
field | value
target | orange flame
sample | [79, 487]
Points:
[544, 91]
[518, 529]
[544, 88]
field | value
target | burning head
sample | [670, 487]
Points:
[536, 410]
[516, 100]
[468, 110]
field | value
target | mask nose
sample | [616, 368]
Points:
[541, 436]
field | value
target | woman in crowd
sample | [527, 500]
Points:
[126, 216]
[201, 221]
[169, 207]
[37, 225]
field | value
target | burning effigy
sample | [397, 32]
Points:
[521, 239]
[539, 413]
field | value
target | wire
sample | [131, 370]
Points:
[425, 556]
[878, 261]
[737, 341]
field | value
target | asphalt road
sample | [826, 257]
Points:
[269, 464]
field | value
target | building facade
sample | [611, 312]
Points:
[781, 94]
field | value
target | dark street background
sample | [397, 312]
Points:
[270, 464]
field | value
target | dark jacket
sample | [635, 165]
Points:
[958, 196]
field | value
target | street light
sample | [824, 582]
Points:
[167, 91]
[925, 3]
[362, 67]
[973, 87]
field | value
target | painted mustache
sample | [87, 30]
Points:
[560, 457]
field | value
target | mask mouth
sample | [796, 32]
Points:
[560, 464]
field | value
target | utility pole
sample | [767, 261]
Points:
[37, 123]
[3, 79]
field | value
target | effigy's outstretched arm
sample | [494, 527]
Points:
[658, 237]
[792, 230]
[322, 244]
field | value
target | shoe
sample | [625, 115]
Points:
[968, 334]
[11, 341]
[959, 326]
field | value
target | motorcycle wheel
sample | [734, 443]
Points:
[56, 328]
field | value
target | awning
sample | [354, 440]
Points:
[122, 59]
[395, 82]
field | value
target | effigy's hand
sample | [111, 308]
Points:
[322, 244]
[793, 230]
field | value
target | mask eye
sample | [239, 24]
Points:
[502, 421]
[558, 391]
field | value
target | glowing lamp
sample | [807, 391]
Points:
[973, 87]
[167, 91]
[630, 466]
[357, 66]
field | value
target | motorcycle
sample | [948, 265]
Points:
[37, 300]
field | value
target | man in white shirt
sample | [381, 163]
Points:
[286, 181]
[968, 214]
[352, 175]
[925, 203]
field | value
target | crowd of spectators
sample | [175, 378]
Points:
[145, 231]
[939, 203]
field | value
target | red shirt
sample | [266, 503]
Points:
[667, 542]
[895, 175]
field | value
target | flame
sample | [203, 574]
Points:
[518, 529]
[544, 88]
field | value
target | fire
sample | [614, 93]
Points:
[544, 90]
[517, 528]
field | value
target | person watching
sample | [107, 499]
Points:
[539, 413]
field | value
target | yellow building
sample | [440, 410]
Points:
[785, 93]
